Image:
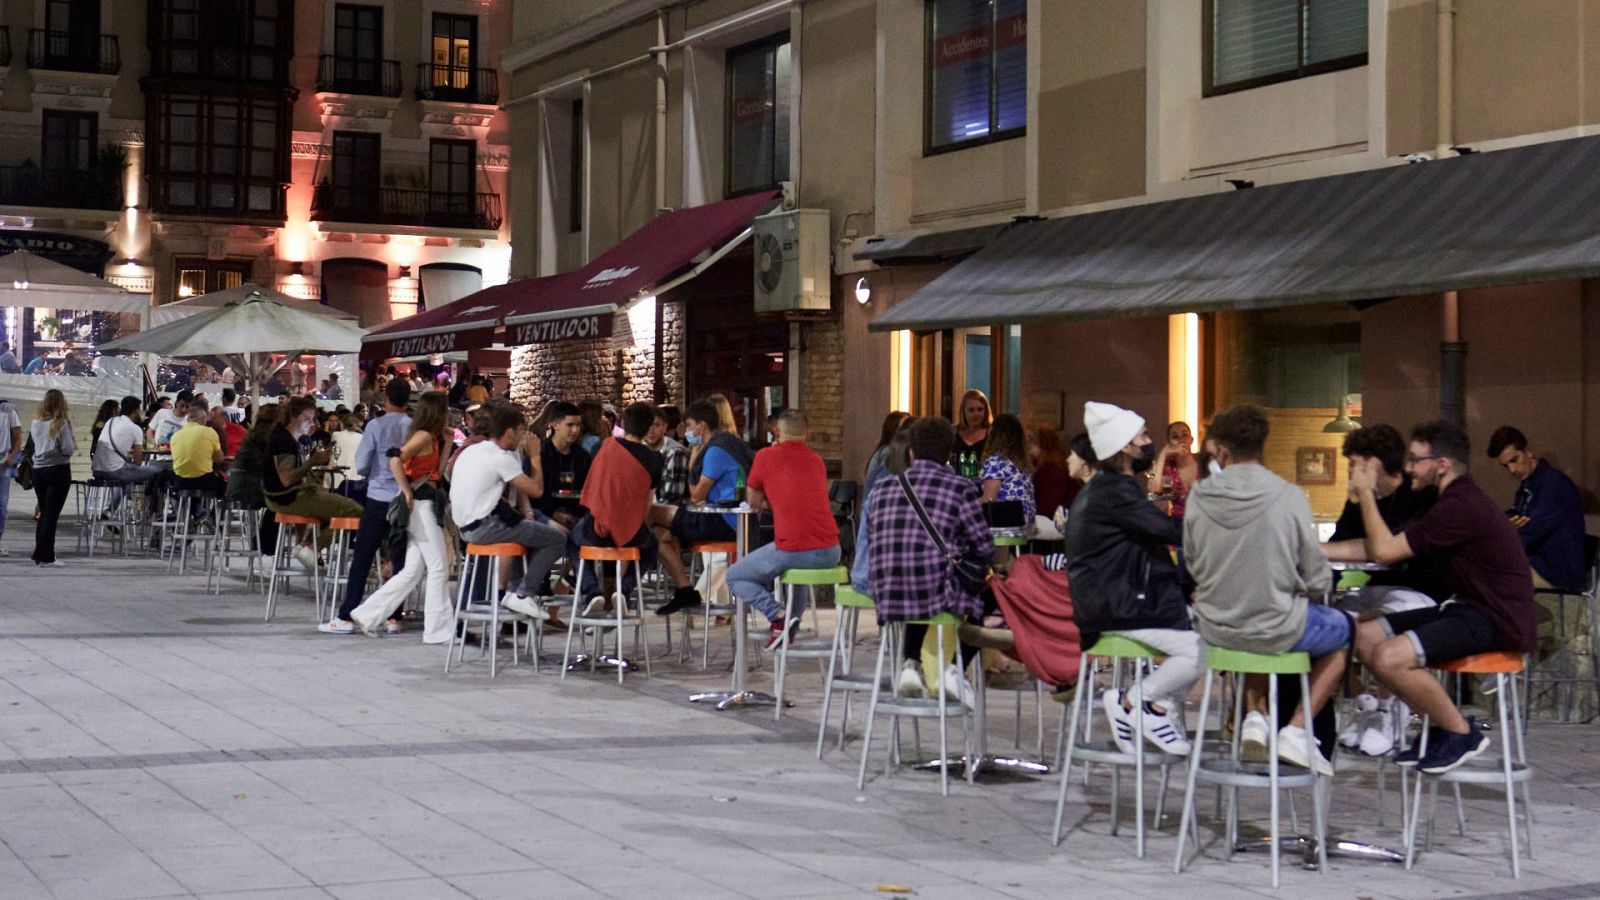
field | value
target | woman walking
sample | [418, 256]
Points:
[53, 447]
[417, 466]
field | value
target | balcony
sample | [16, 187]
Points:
[31, 186]
[63, 51]
[458, 84]
[409, 207]
[367, 77]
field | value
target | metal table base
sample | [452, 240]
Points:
[1306, 845]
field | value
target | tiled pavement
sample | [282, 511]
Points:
[159, 742]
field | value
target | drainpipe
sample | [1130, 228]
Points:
[1453, 350]
[661, 109]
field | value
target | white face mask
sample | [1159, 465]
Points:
[1214, 467]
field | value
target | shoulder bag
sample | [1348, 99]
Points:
[972, 573]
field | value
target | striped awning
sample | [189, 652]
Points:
[1513, 216]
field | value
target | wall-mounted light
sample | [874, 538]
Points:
[130, 263]
[20, 285]
[405, 271]
[185, 290]
[297, 269]
[863, 291]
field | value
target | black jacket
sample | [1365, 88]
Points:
[1119, 567]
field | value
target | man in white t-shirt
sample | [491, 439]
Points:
[166, 422]
[482, 473]
[11, 445]
[119, 454]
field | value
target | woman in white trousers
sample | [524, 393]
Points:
[417, 466]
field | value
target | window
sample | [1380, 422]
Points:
[454, 51]
[357, 171]
[450, 182]
[578, 181]
[977, 72]
[220, 154]
[758, 116]
[235, 40]
[1250, 43]
[358, 46]
[202, 276]
[71, 140]
[72, 34]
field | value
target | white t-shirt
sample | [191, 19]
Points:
[124, 434]
[481, 474]
[235, 413]
[8, 420]
[164, 424]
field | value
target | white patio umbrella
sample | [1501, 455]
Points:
[32, 281]
[182, 309]
[247, 333]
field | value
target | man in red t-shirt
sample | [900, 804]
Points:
[790, 479]
[621, 486]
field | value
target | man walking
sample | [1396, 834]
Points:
[382, 434]
[1252, 548]
[1548, 513]
[790, 479]
[1124, 581]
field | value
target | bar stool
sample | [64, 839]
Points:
[710, 609]
[891, 641]
[343, 528]
[236, 535]
[485, 557]
[283, 559]
[1118, 650]
[1564, 660]
[810, 579]
[1508, 771]
[1232, 773]
[621, 558]
[97, 496]
[189, 505]
[849, 603]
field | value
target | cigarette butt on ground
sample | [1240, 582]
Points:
[896, 889]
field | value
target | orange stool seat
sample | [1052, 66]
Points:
[496, 550]
[1499, 662]
[609, 554]
[345, 523]
[729, 547]
[290, 519]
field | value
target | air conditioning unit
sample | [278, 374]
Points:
[793, 269]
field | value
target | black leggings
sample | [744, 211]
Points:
[51, 485]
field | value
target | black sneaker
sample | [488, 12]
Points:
[682, 599]
[1408, 757]
[1454, 749]
[778, 628]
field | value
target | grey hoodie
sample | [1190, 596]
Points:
[1251, 546]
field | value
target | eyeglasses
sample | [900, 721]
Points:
[1416, 459]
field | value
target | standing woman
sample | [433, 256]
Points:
[417, 467]
[53, 447]
[972, 431]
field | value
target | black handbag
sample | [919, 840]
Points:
[24, 467]
[972, 573]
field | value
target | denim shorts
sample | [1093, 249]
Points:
[1327, 631]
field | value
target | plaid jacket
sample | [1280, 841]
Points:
[908, 576]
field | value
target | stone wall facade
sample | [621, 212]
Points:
[617, 371]
[822, 389]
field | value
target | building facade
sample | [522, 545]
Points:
[348, 152]
[925, 126]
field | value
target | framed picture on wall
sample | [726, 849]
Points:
[1315, 465]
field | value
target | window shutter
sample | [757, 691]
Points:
[1335, 29]
[1254, 38]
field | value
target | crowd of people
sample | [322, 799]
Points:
[1164, 543]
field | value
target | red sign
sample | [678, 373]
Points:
[593, 326]
[756, 106]
[974, 43]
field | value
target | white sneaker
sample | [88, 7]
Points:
[955, 683]
[307, 557]
[1164, 730]
[1121, 721]
[1292, 750]
[1361, 720]
[1383, 732]
[527, 606]
[910, 681]
[1253, 738]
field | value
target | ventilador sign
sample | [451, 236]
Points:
[573, 328]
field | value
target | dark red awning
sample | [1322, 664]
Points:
[576, 305]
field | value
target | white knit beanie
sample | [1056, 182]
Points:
[1110, 427]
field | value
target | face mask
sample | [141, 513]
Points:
[693, 437]
[1145, 459]
[1214, 467]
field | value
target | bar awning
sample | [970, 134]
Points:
[930, 245]
[576, 305]
[1513, 216]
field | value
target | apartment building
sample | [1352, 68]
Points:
[348, 152]
[932, 129]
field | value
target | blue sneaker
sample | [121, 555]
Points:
[1453, 750]
[1408, 757]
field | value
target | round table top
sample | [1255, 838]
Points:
[743, 509]
[1012, 531]
[1362, 566]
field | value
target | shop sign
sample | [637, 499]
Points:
[549, 331]
[86, 254]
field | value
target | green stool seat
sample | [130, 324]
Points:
[815, 577]
[850, 598]
[1008, 541]
[1118, 647]
[1223, 660]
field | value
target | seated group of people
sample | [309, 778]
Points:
[1243, 568]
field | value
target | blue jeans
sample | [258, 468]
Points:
[1327, 631]
[751, 579]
